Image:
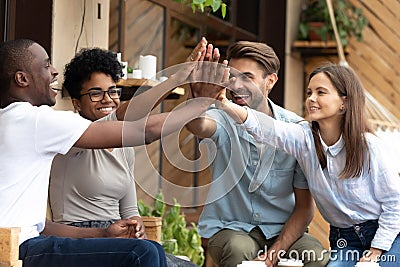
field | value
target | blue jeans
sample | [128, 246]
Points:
[83, 252]
[349, 244]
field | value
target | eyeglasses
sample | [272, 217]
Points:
[97, 95]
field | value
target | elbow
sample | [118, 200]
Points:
[152, 133]
[149, 139]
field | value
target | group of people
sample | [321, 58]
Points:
[270, 164]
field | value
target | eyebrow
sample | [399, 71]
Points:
[100, 89]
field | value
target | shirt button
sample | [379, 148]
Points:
[254, 163]
[257, 215]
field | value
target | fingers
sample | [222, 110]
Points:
[139, 231]
[222, 72]
[209, 53]
[214, 66]
[222, 96]
[198, 52]
[216, 55]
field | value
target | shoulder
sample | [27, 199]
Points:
[374, 142]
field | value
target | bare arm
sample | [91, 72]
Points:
[238, 113]
[106, 134]
[295, 226]
[122, 229]
[203, 127]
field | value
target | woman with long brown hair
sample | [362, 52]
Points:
[354, 186]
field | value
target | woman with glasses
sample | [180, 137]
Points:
[93, 188]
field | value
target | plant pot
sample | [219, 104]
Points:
[153, 228]
[317, 30]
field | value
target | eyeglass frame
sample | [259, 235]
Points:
[98, 89]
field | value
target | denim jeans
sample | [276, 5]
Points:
[83, 252]
[349, 244]
[172, 261]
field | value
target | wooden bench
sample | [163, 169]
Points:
[9, 247]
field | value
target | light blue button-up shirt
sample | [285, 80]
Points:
[342, 202]
[248, 190]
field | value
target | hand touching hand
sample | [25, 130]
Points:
[198, 52]
[126, 228]
[209, 77]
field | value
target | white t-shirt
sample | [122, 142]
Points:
[30, 137]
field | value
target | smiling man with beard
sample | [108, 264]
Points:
[31, 135]
[259, 200]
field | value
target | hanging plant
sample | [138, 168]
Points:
[202, 5]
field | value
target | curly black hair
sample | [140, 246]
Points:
[87, 61]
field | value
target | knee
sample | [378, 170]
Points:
[149, 253]
[233, 247]
[236, 245]
[149, 249]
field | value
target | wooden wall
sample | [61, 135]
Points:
[142, 32]
[377, 58]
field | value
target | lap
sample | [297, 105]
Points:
[229, 247]
[348, 256]
[55, 251]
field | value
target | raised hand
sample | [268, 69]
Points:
[209, 77]
[198, 52]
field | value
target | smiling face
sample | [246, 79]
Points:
[96, 110]
[42, 77]
[323, 102]
[252, 86]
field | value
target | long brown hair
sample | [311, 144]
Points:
[354, 123]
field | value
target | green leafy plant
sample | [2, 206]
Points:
[350, 20]
[177, 237]
[202, 5]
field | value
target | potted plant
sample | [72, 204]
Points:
[350, 20]
[177, 237]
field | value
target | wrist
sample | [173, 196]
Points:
[103, 232]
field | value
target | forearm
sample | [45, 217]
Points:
[164, 124]
[202, 127]
[141, 105]
[238, 113]
[297, 223]
[62, 230]
[294, 228]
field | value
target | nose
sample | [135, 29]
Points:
[312, 98]
[106, 97]
[54, 71]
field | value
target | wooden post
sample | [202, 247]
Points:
[153, 228]
[9, 247]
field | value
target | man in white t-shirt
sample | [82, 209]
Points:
[32, 133]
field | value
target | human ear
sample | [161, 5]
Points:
[77, 104]
[271, 80]
[21, 79]
[342, 107]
